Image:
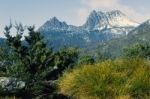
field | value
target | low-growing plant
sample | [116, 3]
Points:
[111, 79]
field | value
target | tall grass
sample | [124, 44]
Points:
[111, 79]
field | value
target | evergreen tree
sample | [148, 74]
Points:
[31, 61]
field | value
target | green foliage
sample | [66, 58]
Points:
[33, 58]
[2, 63]
[28, 59]
[1, 54]
[31, 61]
[86, 60]
[137, 50]
[66, 57]
[102, 56]
[111, 79]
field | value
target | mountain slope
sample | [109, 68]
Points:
[100, 20]
[99, 27]
[140, 34]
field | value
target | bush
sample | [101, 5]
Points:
[119, 79]
[137, 50]
[86, 60]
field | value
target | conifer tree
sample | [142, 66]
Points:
[33, 62]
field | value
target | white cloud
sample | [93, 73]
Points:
[88, 5]
[82, 14]
[99, 3]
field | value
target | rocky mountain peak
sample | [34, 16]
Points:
[100, 20]
[54, 24]
[147, 22]
[54, 20]
[115, 13]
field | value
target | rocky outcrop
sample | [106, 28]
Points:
[10, 84]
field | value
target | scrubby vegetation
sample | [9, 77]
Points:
[30, 60]
[137, 50]
[111, 79]
[70, 74]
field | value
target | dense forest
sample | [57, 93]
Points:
[29, 69]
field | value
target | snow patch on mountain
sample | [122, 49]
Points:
[105, 20]
[99, 27]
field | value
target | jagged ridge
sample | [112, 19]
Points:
[99, 27]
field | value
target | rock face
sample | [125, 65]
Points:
[142, 28]
[99, 27]
[10, 84]
[105, 20]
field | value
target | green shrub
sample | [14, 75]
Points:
[86, 60]
[137, 50]
[111, 79]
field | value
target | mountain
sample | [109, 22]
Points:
[140, 34]
[54, 24]
[59, 34]
[99, 27]
[114, 19]
[142, 28]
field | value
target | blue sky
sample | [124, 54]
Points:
[74, 12]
